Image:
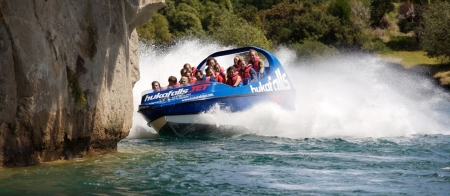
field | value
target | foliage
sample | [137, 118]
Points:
[360, 14]
[340, 9]
[232, 30]
[311, 49]
[371, 43]
[187, 23]
[320, 24]
[410, 17]
[155, 30]
[259, 4]
[378, 8]
[293, 22]
[77, 92]
[404, 43]
[436, 32]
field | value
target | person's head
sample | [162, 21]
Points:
[210, 72]
[217, 68]
[187, 66]
[184, 80]
[252, 54]
[183, 72]
[242, 64]
[199, 74]
[156, 85]
[211, 61]
[188, 74]
[172, 80]
[231, 70]
[235, 60]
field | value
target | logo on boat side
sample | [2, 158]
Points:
[280, 82]
[199, 88]
[171, 93]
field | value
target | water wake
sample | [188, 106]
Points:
[354, 95]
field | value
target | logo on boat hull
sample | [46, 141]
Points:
[172, 93]
[280, 82]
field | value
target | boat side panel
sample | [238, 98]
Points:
[232, 104]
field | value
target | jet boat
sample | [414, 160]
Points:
[178, 112]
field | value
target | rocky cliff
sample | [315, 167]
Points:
[67, 69]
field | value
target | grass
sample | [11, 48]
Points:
[409, 58]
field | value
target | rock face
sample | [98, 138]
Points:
[67, 69]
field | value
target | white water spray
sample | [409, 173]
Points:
[348, 96]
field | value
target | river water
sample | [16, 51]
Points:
[360, 127]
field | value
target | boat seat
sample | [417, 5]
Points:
[266, 70]
[245, 81]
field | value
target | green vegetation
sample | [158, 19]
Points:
[436, 30]
[410, 58]
[74, 84]
[313, 28]
[12, 128]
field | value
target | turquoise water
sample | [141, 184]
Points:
[247, 165]
[360, 127]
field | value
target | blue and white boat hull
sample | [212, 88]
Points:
[177, 112]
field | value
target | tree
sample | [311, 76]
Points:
[292, 22]
[436, 31]
[185, 23]
[310, 49]
[231, 30]
[155, 30]
[378, 8]
[340, 9]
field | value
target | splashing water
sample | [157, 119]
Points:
[354, 95]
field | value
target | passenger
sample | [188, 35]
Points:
[191, 78]
[256, 63]
[219, 76]
[202, 78]
[235, 61]
[173, 82]
[247, 72]
[211, 62]
[233, 78]
[210, 73]
[156, 86]
[183, 72]
[184, 81]
[238, 68]
[188, 67]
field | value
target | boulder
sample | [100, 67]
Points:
[67, 69]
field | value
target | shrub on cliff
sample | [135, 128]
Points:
[155, 30]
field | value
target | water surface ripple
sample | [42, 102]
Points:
[247, 165]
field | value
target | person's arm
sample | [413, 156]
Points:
[253, 75]
[238, 80]
[261, 66]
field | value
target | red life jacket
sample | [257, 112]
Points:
[255, 64]
[232, 79]
[245, 73]
[174, 86]
[194, 69]
[208, 78]
[193, 80]
[219, 77]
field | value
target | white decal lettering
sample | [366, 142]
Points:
[280, 82]
[169, 94]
